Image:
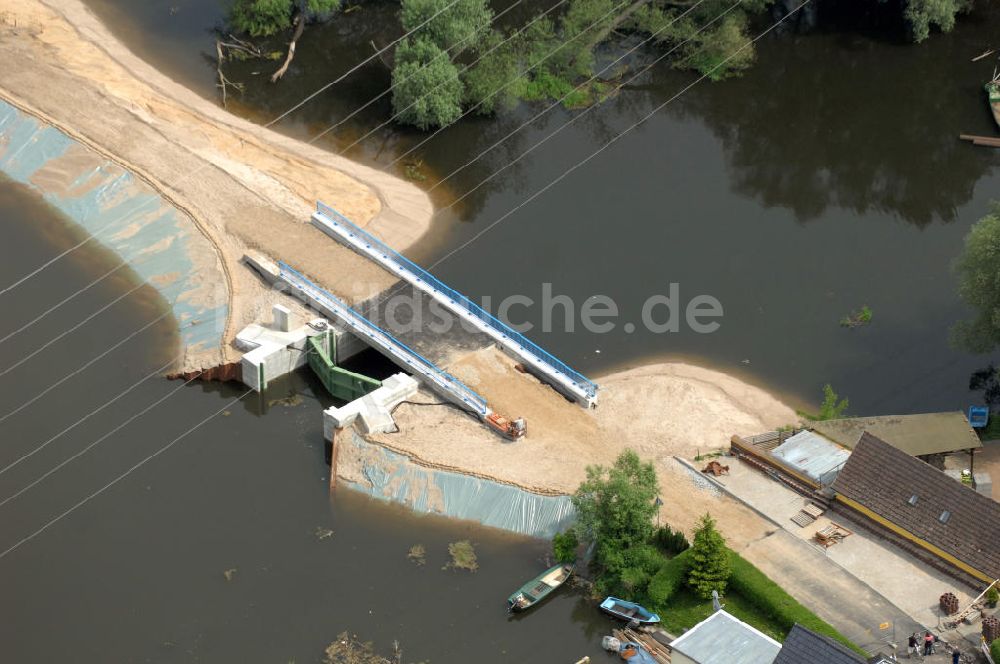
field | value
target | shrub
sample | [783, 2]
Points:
[992, 596]
[669, 579]
[564, 546]
[777, 605]
[670, 541]
[995, 650]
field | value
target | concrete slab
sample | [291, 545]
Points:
[905, 581]
[896, 587]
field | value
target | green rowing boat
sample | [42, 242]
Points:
[993, 94]
[539, 588]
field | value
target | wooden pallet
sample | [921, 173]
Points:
[832, 534]
[803, 519]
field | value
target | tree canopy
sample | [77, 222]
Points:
[262, 18]
[921, 15]
[427, 91]
[978, 269]
[615, 508]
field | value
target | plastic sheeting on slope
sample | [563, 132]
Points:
[125, 215]
[391, 476]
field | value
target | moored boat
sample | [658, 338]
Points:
[629, 611]
[993, 94]
[539, 588]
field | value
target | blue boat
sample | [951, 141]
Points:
[629, 611]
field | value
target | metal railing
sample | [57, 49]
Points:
[508, 335]
[367, 330]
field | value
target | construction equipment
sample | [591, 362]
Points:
[510, 429]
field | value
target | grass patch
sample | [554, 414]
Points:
[463, 556]
[686, 610]
[992, 429]
[750, 596]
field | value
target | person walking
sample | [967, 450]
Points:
[956, 656]
[911, 646]
[928, 643]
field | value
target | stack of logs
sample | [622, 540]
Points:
[949, 604]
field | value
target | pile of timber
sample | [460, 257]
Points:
[659, 651]
[990, 141]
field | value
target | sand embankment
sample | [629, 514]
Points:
[243, 186]
[660, 411]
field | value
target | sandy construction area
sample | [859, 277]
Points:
[244, 187]
[241, 185]
[660, 410]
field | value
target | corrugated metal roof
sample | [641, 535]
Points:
[917, 435]
[722, 639]
[813, 455]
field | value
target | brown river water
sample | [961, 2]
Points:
[137, 574]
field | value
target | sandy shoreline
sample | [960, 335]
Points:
[240, 185]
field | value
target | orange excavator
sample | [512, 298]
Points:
[510, 429]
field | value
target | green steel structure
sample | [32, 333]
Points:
[340, 383]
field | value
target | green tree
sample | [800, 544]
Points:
[615, 507]
[461, 24]
[921, 15]
[564, 546]
[978, 269]
[426, 89]
[709, 560]
[262, 18]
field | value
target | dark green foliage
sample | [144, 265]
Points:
[923, 14]
[615, 507]
[459, 26]
[564, 546]
[489, 83]
[987, 380]
[670, 541]
[670, 578]
[709, 569]
[978, 270]
[769, 598]
[262, 18]
[992, 596]
[995, 650]
[427, 90]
